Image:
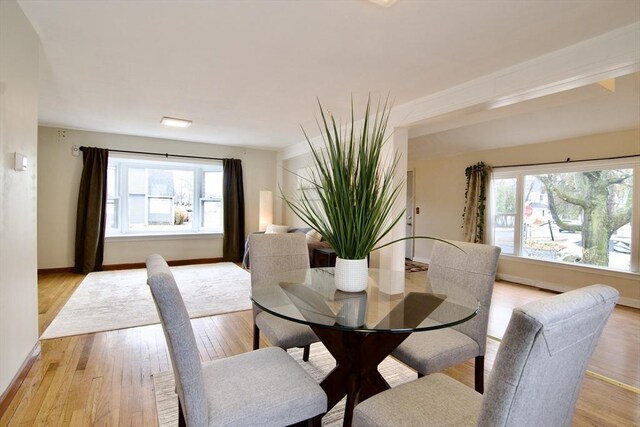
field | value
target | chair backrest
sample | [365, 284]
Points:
[272, 254]
[541, 362]
[473, 266]
[185, 359]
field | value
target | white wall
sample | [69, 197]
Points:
[19, 46]
[59, 177]
[289, 185]
[439, 193]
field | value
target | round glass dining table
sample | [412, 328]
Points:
[360, 329]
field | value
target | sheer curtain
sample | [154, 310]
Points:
[233, 202]
[91, 216]
[475, 196]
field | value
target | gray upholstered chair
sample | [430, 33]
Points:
[264, 387]
[272, 254]
[536, 377]
[474, 268]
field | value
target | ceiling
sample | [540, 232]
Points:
[586, 110]
[248, 72]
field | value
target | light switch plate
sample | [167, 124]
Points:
[19, 162]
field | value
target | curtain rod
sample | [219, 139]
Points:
[166, 155]
[566, 161]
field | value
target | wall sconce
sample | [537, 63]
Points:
[266, 210]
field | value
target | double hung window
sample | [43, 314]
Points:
[146, 197]
[580, 213]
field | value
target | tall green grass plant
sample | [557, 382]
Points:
[350, 194]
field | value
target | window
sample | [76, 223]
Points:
[578, 213]
[161, 197]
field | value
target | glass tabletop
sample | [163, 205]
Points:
[393, 301]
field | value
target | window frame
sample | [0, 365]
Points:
[202, 200]
[520, 172]
[116, 195]
[124, 163]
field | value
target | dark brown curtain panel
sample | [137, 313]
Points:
[91, 218]
[233, 212]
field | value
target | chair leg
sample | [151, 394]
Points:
[479, 365]
[311, 422]
[316, 421]
[305, 352]
[256, 337]
[181, 421]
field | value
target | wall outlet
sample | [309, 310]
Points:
[75, 151]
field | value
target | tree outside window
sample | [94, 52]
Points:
[580, 216]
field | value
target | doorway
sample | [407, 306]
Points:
[409, 216]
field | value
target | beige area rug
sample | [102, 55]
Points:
[319, 365]
[109, 300]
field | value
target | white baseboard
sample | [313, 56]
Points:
[558, 287]
[422, 260]
[629, 302]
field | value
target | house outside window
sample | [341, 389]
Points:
[579, 213]
[146, 197]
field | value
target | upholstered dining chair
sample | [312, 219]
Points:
[273, 254]
[536, 376]
[263, 387]
[473, 266]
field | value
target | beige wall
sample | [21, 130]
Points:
[440, 183]
[19, 47]
[59, 177]
[289, 185]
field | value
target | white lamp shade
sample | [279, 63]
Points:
[266, 210]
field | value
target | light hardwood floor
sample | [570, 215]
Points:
[106, 378]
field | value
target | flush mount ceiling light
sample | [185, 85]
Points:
[177, 123]
[384, 3]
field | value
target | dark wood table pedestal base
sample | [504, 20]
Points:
[357, 355]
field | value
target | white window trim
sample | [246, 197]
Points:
[124, 163]
[166, 236]
[519, 172]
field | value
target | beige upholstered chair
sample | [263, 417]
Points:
[536, 377]
[474, 268]
[263, 387]
[273, 254]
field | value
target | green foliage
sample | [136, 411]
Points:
[505, 196]
[479, 172]
[351, 193]
[603, 197]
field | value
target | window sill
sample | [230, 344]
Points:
[174, 236]
[573, 267]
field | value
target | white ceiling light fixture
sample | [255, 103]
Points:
[177, 123]
[384, 3]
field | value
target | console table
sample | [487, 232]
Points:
[324, 257]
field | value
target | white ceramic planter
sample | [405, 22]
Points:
[351, 275]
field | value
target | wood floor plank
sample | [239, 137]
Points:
[107, 378]
[52, 410]
[54, 290]
[616, 355]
